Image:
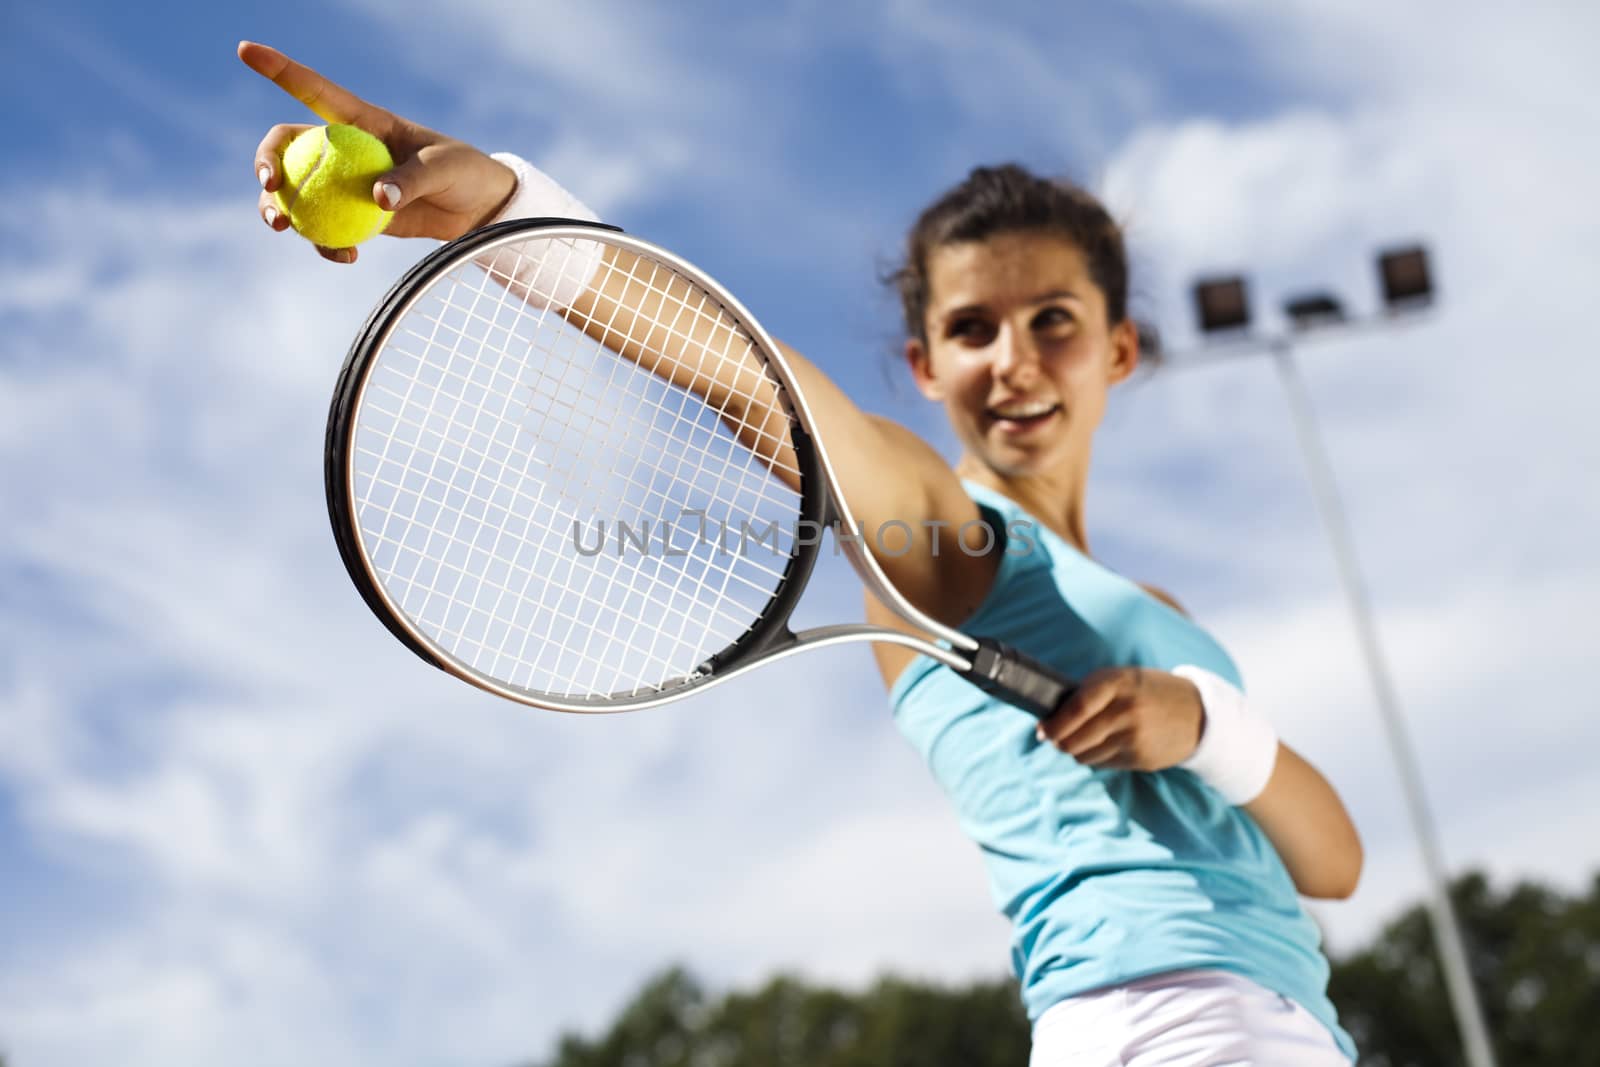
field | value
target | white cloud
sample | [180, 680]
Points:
[566, 84]
[1462, 446]
[1276, 193]
[294, 792]
[313, 826]
[951, 51]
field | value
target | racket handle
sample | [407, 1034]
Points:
[1018, 679]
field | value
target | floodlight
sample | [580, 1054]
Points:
[1223, 303]
[1406, 279]
[1312, 310]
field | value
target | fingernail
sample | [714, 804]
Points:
[272, 217]
[263, 172]
[390, 195]
[1038, 731]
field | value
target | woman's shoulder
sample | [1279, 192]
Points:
[1165, 597]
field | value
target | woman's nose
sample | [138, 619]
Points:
[1014, 353]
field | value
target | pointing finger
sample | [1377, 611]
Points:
[331, 103]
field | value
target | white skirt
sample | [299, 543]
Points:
[1183, 1019]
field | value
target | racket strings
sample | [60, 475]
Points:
[736, 352]
[495, 430]
[705, 312]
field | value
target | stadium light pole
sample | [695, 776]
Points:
[1223, 306]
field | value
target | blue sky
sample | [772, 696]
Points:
[239, 824]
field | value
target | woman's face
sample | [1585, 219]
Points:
[1019, 350]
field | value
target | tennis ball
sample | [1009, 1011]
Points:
[327, 189]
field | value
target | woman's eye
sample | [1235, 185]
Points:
[1053, 318]
[971, 331]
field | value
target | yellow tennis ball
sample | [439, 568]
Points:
[327, 189]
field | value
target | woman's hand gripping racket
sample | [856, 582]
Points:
[567, 467]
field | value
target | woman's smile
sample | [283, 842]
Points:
[1019, 418]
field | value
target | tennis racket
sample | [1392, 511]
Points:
[535, 486]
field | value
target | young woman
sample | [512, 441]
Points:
[1149, 839]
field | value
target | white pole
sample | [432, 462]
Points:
[1446, 930]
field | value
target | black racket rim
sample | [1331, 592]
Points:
[771, 629]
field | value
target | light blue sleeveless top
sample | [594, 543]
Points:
[1106, 875]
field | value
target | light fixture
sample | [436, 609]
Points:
[1223, 303]
[1312, 310]
[1406, 278]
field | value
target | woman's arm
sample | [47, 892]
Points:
[886, 473]
[1149, 720]
[1307, 823]
[441, 188]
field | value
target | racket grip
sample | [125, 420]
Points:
[1018, 679]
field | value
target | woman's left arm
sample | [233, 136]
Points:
[1147, 720]
[1307, 823]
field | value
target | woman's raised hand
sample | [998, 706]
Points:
[439, 187]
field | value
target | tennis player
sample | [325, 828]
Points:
[1150, 840]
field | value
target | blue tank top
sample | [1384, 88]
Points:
[1106, 875]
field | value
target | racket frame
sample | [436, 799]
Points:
[988, 664]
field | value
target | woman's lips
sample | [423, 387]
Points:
[1020, 424]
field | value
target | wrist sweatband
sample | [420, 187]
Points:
[1238, 746]
[540, 274]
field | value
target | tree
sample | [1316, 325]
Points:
[1534, 953]
[789, 1023]
[1534, 956]
[659, 1028]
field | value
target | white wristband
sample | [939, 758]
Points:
[541, 275]
[1238, 746]
[538, 195]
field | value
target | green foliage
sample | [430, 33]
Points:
[895, 1023]
[1535, 955]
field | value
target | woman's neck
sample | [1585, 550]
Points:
[1055, 499]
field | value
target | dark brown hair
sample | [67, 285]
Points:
[1011, 199]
